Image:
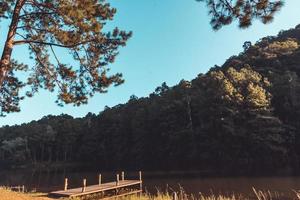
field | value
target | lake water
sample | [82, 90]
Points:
[192, 183]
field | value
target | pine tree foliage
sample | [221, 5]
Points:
[46, 27]
[244, 87]
[224, 12]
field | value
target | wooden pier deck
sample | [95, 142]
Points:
[132, 186]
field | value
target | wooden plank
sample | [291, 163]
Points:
[95, 188]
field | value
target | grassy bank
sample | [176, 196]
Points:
[6, 194]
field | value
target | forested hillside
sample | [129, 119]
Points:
[241, 117]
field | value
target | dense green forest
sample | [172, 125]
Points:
[241, 117]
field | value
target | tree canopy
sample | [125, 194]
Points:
[46, 27]
[224, 12]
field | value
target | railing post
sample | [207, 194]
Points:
[118, 179]
[140, 175]
[23, 188]
[99, 179]
[122, 176]
[141, 182]
[66, 184]
[84, 185]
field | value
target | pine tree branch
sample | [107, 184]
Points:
[46, 67]
[43, 64]
[36, 13]
[19, 42]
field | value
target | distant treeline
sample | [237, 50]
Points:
[241, 117]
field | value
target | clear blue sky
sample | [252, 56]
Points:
[172, 40]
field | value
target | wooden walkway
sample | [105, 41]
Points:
[132, 186]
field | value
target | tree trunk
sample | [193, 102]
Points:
[42, 151]
[49, 154]
[8, 46]
[28, 153]
[189, 112]
[2, 155]
[65, 155]
[34, 156]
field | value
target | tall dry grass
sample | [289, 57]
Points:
[297, 194]
[6, 194]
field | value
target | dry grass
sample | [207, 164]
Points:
[297, 194]
[181, 195]
[221, 197]
[167, 197]
[6, 194]
[146, 197]
[266, 195]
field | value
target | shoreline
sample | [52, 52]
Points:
[6, 194]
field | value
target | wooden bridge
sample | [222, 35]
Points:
[104, 190]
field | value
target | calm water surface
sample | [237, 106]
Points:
[48, 181]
